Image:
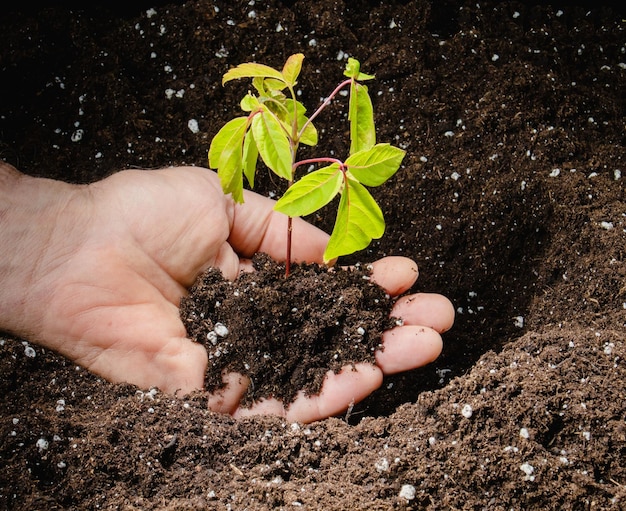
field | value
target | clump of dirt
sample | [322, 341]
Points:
[286, 333]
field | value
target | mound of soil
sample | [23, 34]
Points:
[511, 199]
[285, 334]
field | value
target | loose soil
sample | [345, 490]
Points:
[511, 200]
[285, 334]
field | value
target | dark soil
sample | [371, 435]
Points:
[285, 334]
[511, 200]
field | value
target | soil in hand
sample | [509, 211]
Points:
[286, 333]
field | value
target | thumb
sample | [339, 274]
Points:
[258, 228]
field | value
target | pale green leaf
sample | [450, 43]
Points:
[292, 67]
[251, 70]
[284, 112]
[372, 167]
[353, 70]
[309, 135]
[225, 155]
[273, 85]
[312, 192]
[250, 157]
[258, 82]
[249, 103]
[353, 66]
[272, 143]
[299, 107]
[231, 180]
[359, 220]
[268, 87]
[361, 116]
[227, 142]
[364, 76]
[278, 105]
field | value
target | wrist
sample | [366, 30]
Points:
[29, 211]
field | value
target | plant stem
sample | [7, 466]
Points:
[288, 260]
[318, 160]
[325, 103]
[294, 140]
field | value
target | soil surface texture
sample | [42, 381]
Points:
[511, 199]
[285, 334]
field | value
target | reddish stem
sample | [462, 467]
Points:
[325, 103]
[288, 261]
[312, 160]
[318, 160]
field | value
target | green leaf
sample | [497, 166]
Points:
[359, 220]
[231, 180]
[272, 143]
[361, 116]
[272, 85]
[285, 113]
[258, 83]
[372, 167]
[309, 135]
[353, 66]
[249, 103]
[312, 192]
[249, 158]
[292, 67]
[228, 142]
[225, 155]
[278, 105]
[361, 77]
[268, 87]
[251, 70]
[353, 70]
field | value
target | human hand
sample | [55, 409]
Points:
[415, 343]
[96, 273]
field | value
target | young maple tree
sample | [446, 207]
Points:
[273, 129]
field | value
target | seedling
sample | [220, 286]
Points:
[274, 128]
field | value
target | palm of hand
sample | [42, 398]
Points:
[115, 288]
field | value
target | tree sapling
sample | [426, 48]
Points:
[274, 128]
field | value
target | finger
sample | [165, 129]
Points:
[258, 228]
[426, 309]
[395, 274]
[351, 385]
[408, 347]
[226, 399]
[265, 406]
[182, 371]
[246, 265]
[339, 390]
[227, 260]
[9, 172]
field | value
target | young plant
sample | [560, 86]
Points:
[273, 129]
